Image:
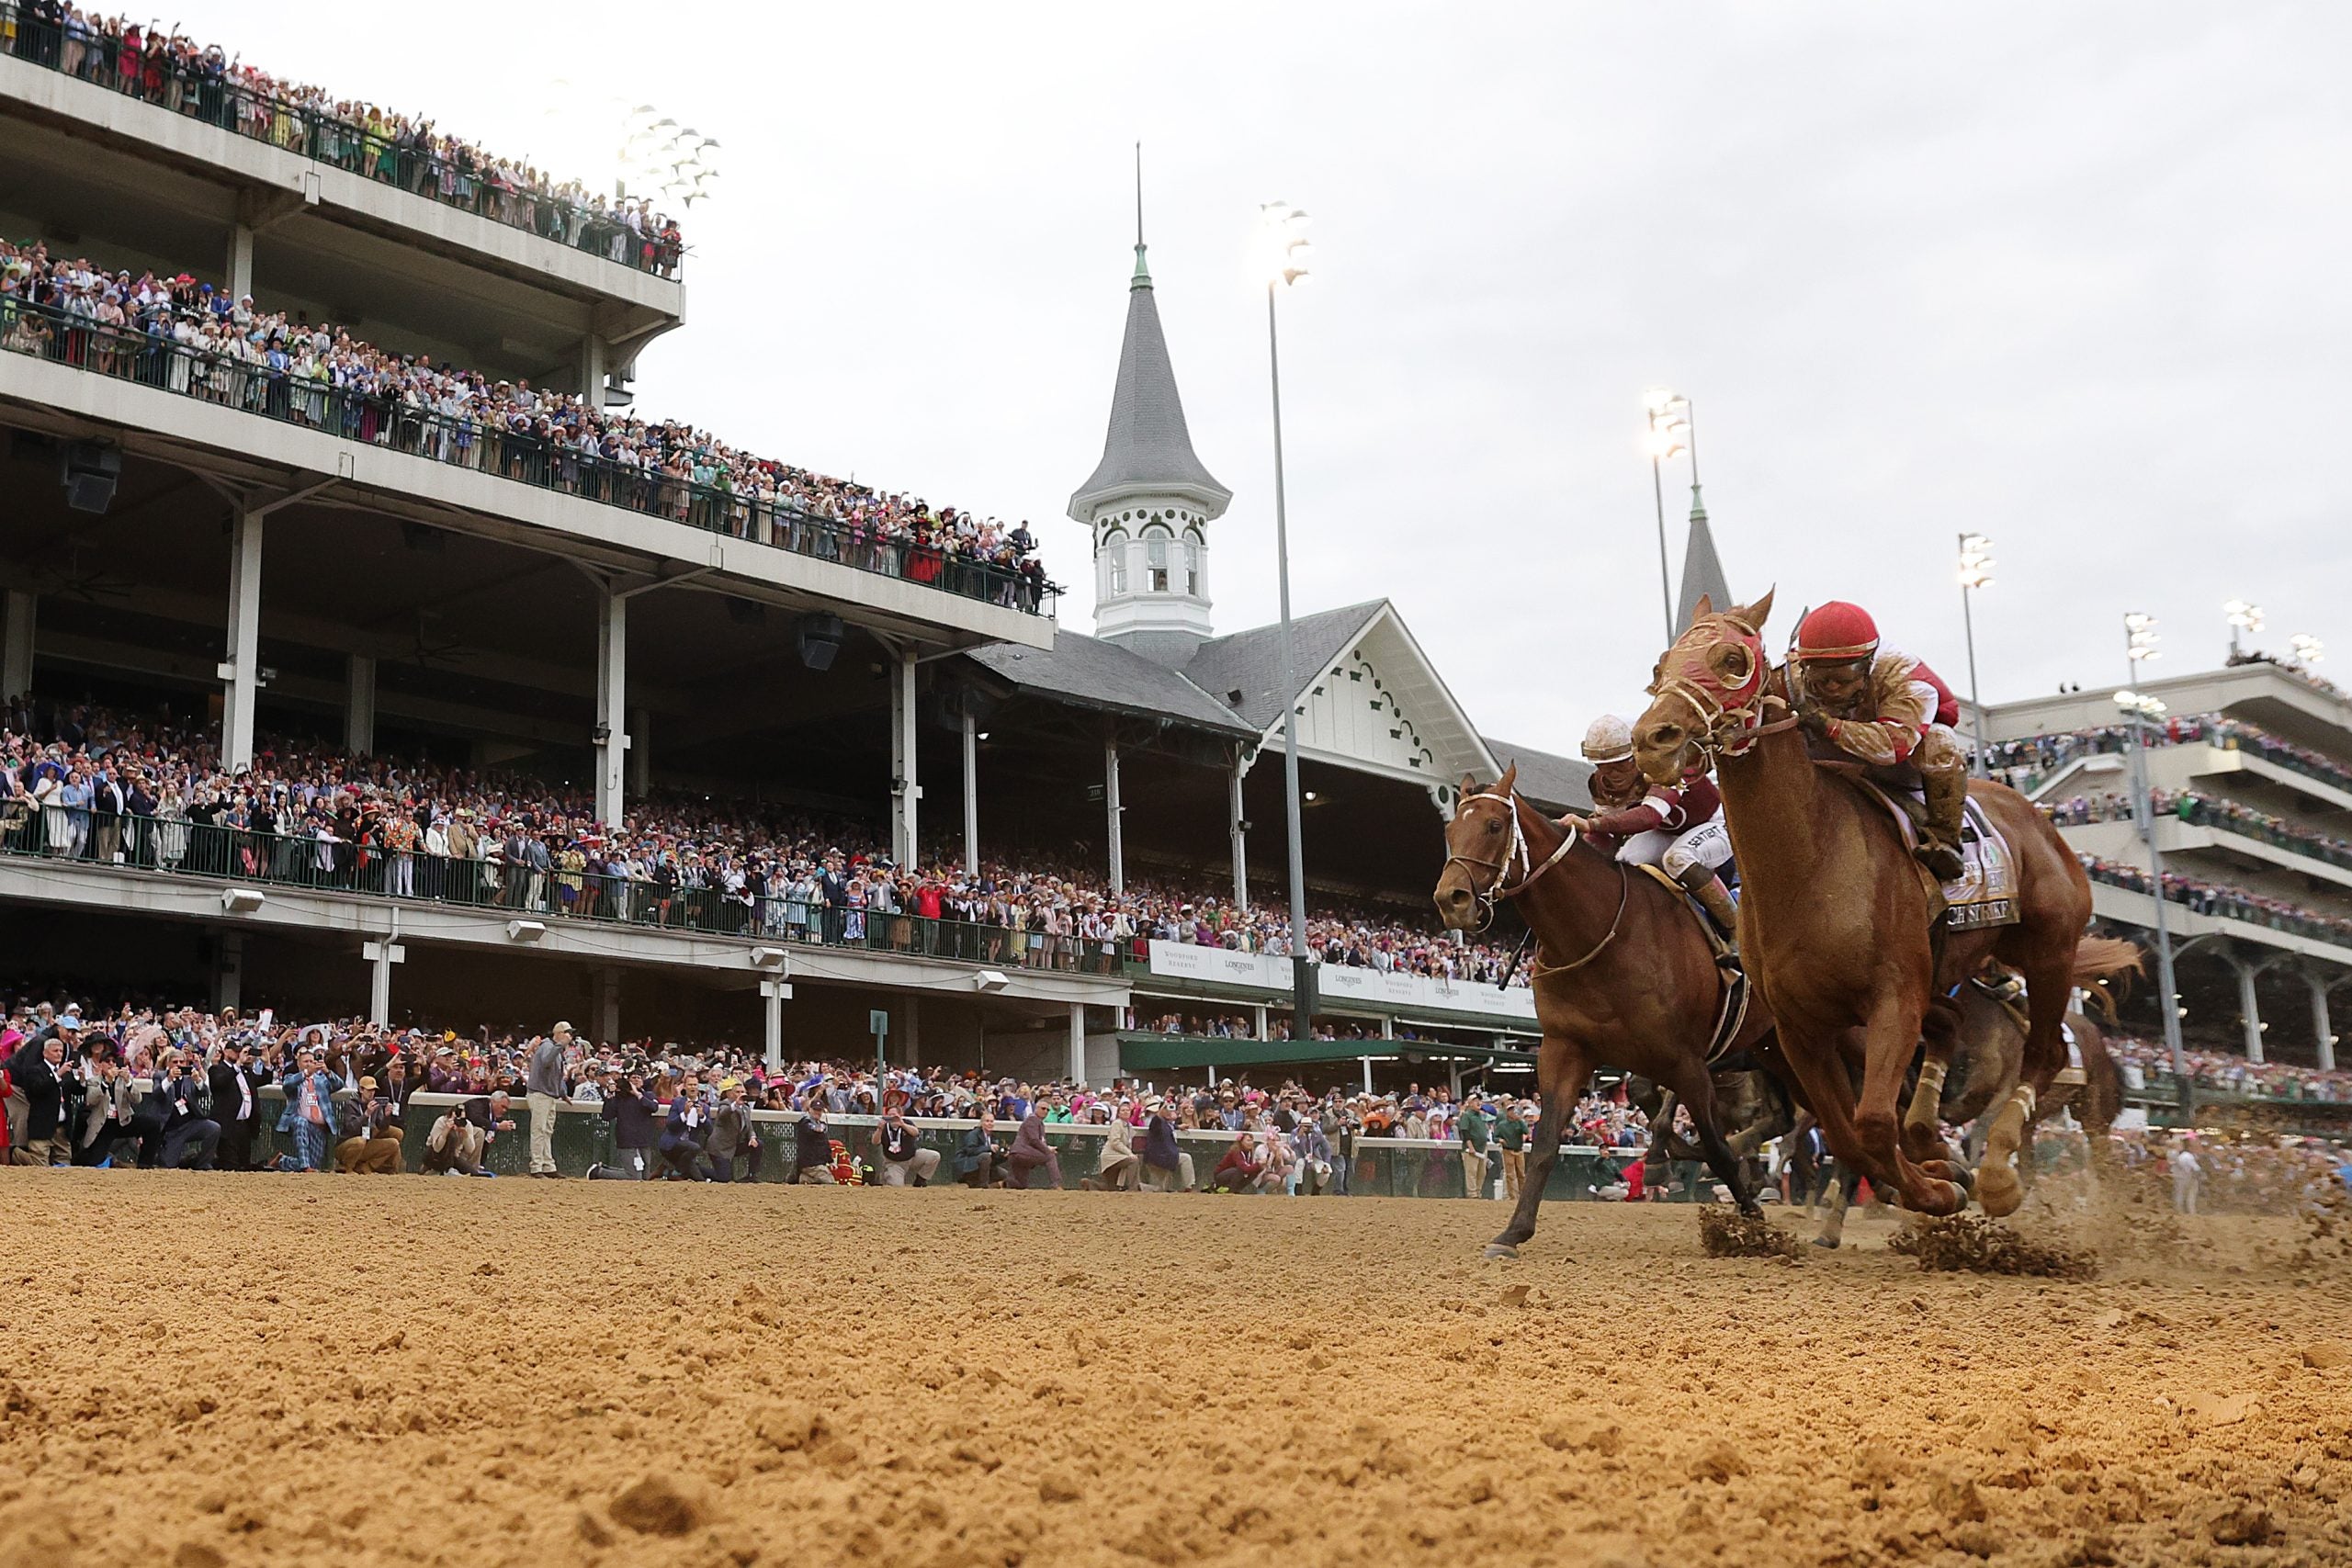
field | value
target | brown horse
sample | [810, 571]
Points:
[1839, 924]
[1622, 973]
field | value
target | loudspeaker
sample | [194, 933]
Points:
[90, 474]
[820, 637]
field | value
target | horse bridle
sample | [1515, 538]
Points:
[1519, 854]
[1733, 726]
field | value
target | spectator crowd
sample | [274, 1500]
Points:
[87, 784]
[170, 68]
[2229, 903]
[2025, 762]
[186, 337]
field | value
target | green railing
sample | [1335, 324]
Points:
[532, 457]
[81, 51]
[62, 835]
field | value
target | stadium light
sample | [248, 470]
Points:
[1976, 572]
[1668, 435]
[2306, 649]
[1281, 229]
[2139, 647]
[2244, 616]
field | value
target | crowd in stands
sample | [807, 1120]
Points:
[2300, 669]
[169, 68]
[2144, 1062]
[184, 337]
[82, 783]
[2205, 810]
[2231, 903]
[2025, 762]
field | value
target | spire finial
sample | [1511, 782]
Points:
[1142, 278]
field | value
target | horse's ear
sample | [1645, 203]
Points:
[1756, 614]
[1469, 784]
[1511, 777]
[1705, 606]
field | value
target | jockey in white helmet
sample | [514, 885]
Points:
[1678, 828]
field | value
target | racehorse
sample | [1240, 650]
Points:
[1622, 973]
[1841, 925]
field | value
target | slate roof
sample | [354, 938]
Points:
[1251, 661]
[1702, 569]
[1547, 780]
[1148, 445]
[1089, 672]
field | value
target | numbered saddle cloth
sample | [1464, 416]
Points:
[1986, 892]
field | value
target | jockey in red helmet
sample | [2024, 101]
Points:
[1889, 710]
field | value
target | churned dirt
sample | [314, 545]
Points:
[206, 1371]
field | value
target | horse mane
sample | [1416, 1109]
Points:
[2103, 969]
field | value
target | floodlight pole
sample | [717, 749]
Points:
[1302, 969]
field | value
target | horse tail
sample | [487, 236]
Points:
[2103, 967]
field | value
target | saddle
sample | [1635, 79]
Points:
[1732, 1011]
[1986, 893]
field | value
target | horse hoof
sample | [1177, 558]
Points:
[1501, 1250]
[1999, 1191]
[1825, 1243]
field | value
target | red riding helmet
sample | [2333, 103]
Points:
[1835, 633]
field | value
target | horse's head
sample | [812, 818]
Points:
[1479, 844]
[1715, 669]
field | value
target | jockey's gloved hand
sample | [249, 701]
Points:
[1815, 722]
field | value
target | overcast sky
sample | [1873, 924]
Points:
[2070, 274]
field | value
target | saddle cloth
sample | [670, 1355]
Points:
[1986, 893]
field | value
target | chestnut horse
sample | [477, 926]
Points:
[1622, 973]
[1838, 923]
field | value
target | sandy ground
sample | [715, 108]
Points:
[205, 1371]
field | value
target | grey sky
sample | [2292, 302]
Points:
[2071, 275]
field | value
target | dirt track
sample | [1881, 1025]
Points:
[358, 1371]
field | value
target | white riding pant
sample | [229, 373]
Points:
[1708, 844]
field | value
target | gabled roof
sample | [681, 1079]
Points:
[1702, 569]
[1087, 671]
[1250, 662]
[1564, 782]
[1148, 450]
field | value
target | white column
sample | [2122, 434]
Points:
[971, 794]
[359, 705]
[1111, 807]
[596, 361]
[240, 261]
[640, 753]
[904, 791]
[612, 708]
[17, 660]
[2322, 1026]
[772, 998]
[1367, 1075]
[243, 664]
[607, 1030]
[2249, 1009]
[1077, 1042]
[1239, 834]
[1258, 1018]
[381, 955]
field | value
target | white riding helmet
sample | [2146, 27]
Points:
[1611, 739]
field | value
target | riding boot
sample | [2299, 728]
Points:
[1938, 850]
[1704, 885]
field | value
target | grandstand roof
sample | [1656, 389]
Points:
[1244, 671]
[1087, 671]
[1148, 448]
[1547, 779]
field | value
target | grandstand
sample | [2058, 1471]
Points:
[404, 521]
[2251, 769]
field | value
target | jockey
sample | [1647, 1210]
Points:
[1680, 830]
[1890, 711]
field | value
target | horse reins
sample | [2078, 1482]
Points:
[1519, 854]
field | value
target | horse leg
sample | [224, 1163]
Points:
[1833, 1219]
[1699, 1093]
[1888, 1040]
[1560, 1074]
[1922, 1123]
[2049, 990]
[1819, 1067]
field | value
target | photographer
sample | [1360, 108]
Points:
[109, 1107]
[730, 1133]
[905, 1162]
[236, 1105]
[373, 1145]
[979, 1161]
[633, 1115]
[683, 1134]
[454, 1147]
[190, 1135]
[812, 1143]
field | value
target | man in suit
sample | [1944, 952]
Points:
[236, 1105]
[190, 1135]
[36, 1075]
[632, 1109]
[730, 1131]
[683, 1134]
[107, 1109]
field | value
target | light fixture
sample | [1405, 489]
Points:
[525, 930]
[820, 639]
[2244, 616]
[2306, 649]
[1287, 248]
[1976, 561]
[242, 900]
[2140, 637]
[768, 958]
[990, 980]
